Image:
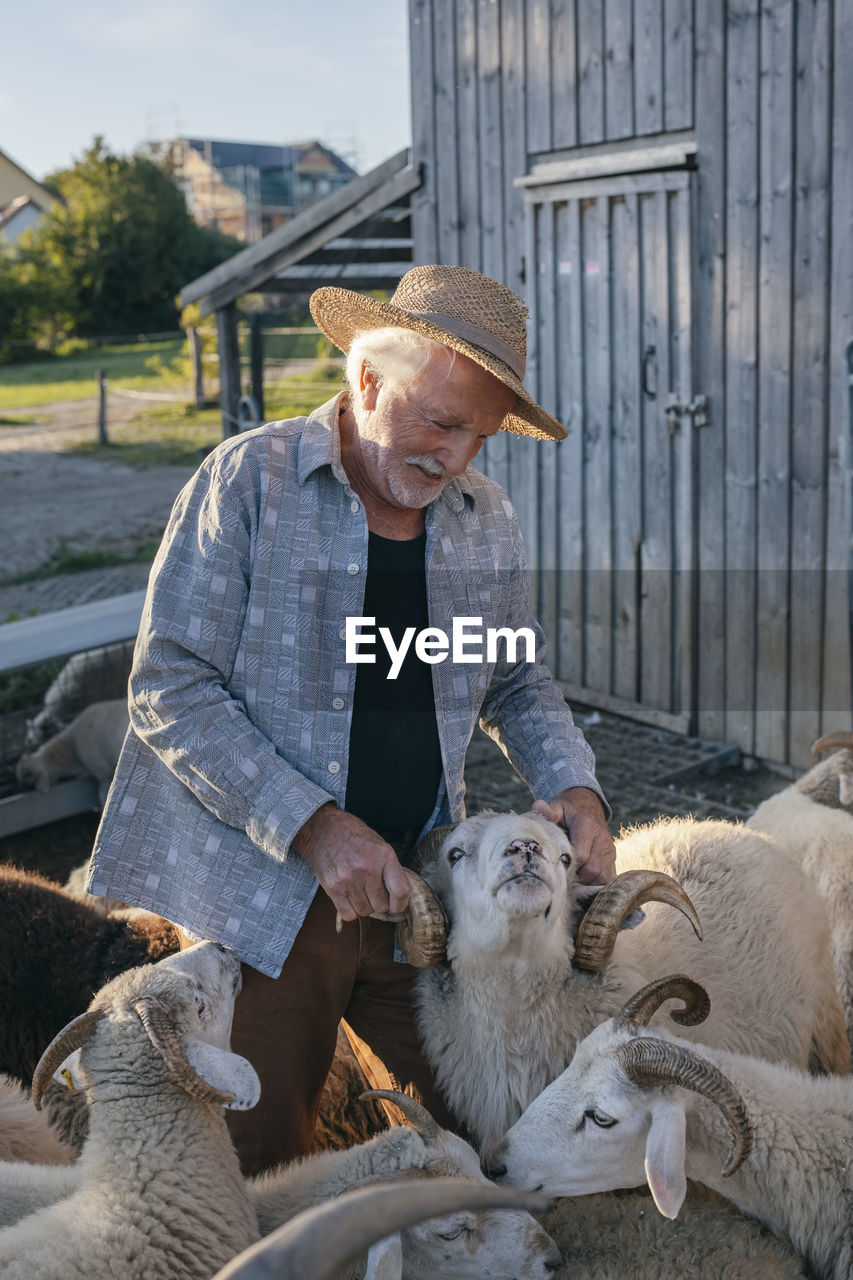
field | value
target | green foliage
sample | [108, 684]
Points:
[111, 258]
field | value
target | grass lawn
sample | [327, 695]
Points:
[72, 377]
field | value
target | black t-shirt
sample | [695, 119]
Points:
[394, 756]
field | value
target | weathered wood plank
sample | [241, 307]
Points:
[538, 75]
[564, 73]
[656, 617]
[468, 142]
[648, 66]
[774, 381]
[622, 184]
[709, 250]
[447, 171]
[30, 809]
[488, 144]
[548, 492]
[514, 120]
[809, 391]
[837, 708]
[570, 472]
[684, 460]
[618, 69]
[424, 132]
[590, 24]
[230, 388]
[599, 163]
[261, 259]
[741, 366]
[627, 513]
[67, 631]
[677, 64]
[598, 619]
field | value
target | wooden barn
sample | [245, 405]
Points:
[670, 187]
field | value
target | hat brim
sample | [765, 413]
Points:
[342, 313]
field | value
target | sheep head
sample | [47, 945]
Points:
[616, 1117]
[184, 1005]
[32, 773]
[830, 783]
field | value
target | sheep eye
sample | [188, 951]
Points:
[601, 1118]
[454, 855]
[566, 859]
[454, 1234]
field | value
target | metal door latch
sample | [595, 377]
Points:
[676, 410]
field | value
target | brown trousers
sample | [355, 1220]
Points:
[287, 1028]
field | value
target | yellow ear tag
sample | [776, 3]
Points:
[66, 1076]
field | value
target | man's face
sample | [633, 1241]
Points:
[414, 438]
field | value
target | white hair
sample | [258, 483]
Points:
[393, 354]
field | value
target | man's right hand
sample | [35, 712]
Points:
[357, 868]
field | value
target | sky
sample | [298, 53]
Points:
[249, 70]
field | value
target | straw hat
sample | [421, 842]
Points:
[461, 309]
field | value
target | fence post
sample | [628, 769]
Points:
[256, 360]
[103, 438]
[198, 368]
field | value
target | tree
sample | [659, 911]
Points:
[111, 258]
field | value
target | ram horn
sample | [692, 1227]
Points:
[71, 1037]
[832, 740]
[422, 932]
[415, 1112]
[322, 1241]
[651, 1063]
[599, 927]
[158, 1021]
[637, 1011]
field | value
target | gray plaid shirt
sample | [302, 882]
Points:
[241, 697]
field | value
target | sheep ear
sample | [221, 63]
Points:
[665, 1153]
[385, 1259]
[224, 1070]
[68, 1072]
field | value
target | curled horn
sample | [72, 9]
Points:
[71, 1037]
[322, 1241]
[422, 932]
[831, 740]
[637, 1011]
[652, 1063]
[158, 1021]
[599, 927]
[415, 1112]
[429, 845]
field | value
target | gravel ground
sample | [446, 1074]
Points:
[50, 497]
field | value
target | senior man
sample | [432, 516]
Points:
[268, 755]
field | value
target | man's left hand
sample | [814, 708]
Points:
[581, 813]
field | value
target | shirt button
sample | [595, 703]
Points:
[352, 568]
[342, 634]
[334, 767]
[338, 704]
[354, 506]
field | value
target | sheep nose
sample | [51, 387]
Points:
[493, 1163]
[527, 847]
[553, 1264]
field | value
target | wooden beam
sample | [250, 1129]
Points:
[65, 631]
[30, 809]
[394, 189]
[263, 255]
[229, 368]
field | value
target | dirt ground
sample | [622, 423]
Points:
[50, 497]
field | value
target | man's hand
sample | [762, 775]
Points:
[355, 866]
[581, 813]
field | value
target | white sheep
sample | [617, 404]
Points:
[90, 744]
[501, 1014]
[160, 1191]
[320, 1242]
[812, 820]
[638, 1106]
[461, 1243]
[89, 676]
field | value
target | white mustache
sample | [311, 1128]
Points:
[430, 465]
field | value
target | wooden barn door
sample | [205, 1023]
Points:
[609, 290]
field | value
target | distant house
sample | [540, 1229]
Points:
[23, 200]
[248, 189]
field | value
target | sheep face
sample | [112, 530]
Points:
[499, 874]
[32, 773]
[468, 1244]
[594, 1130]
[184, 1005]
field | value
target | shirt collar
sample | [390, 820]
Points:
[320, 446]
